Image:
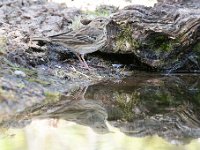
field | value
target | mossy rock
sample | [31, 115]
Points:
[124, 40]
[160, 43]
[51, 97]
[196, 47]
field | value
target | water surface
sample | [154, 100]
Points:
[141, 112]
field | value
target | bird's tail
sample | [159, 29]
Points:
[44, 39]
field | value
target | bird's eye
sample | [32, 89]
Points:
[100, 20]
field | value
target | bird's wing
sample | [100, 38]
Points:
[64, 33]
[82, 36]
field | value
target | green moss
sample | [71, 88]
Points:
[21, 85]
[14, 67]
[52, 96]
[161, 43]
[125, 41]
[164, 97]
[196, 47]
[31, 74]
[44, 83]
[126, 103]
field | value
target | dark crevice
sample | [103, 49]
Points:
[129, 60]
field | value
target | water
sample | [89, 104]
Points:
[141, 112]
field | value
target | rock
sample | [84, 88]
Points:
[163, 37]
[19, 73]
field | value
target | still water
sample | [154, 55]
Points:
[143, 112]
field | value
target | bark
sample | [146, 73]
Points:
[166, 36]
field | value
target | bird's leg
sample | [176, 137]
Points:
[84, 91]
[79, 58]
[80, 95]
[84, 62]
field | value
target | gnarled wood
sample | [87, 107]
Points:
[164, 37]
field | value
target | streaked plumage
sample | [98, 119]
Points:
[84, 40]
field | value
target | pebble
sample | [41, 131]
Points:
[117, 65]
[20, 73]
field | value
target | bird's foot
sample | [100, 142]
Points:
[88, 68]
[85, 66]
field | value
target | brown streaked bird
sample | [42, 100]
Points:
[84, 40]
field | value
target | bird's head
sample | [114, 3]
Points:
[100, 22]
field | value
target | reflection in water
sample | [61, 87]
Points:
[167, 106]
[162, 110]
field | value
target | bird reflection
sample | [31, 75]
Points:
[83, 111]
[72, 107]
[80, 94]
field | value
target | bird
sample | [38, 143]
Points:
[86, 39]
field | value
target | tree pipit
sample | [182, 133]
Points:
[87, 39]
